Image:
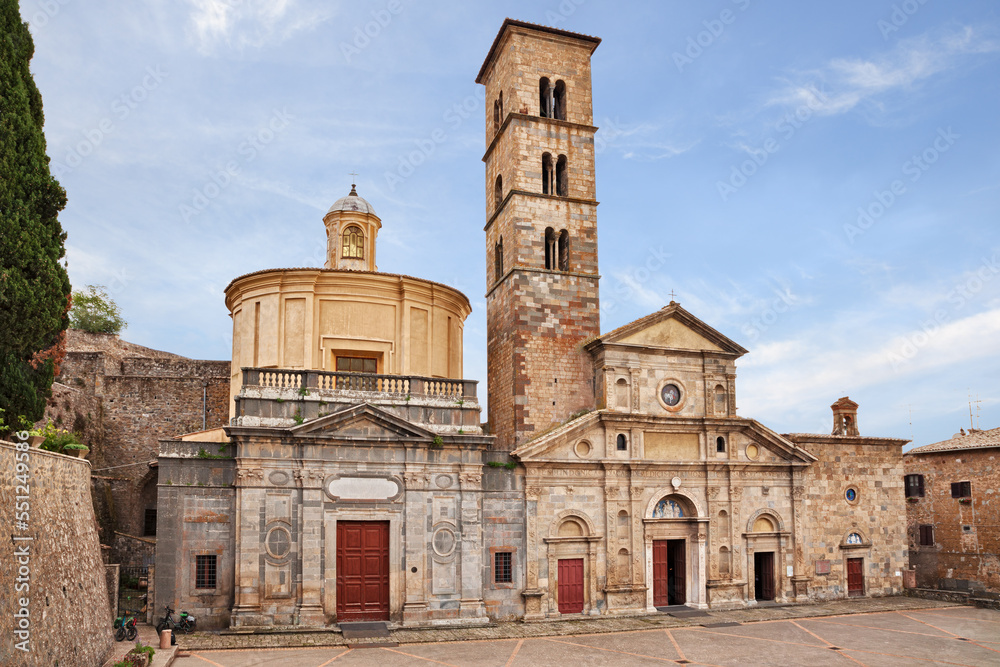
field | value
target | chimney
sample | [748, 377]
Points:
[845, 417]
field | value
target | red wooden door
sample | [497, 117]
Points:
[661, 586]
[362, 570]
[570, 585]
[855, 577]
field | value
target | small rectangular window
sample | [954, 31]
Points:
[914, 486]
[357, 365]
[149, 525]
[961, 489]
[204, 576]
[503, 571]
[926, 536]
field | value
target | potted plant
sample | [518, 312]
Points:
[60, 440]
[140, 656]
[77, 450]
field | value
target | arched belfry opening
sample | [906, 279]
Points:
[562, 177]
[498, 192]
[544, 98]
[559, 101]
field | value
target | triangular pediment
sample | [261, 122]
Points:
[674, 328]
[561, 443]
[363, 422]
[557, 442]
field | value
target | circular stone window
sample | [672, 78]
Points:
[583, 449]
[851, 494]
[278, 542]
[671, 394]
[444, 542]
[752, 452]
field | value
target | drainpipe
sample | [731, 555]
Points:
[204, 406]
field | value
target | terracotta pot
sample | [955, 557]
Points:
[36, 440]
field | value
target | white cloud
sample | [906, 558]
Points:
[844, 83]
[251, 23]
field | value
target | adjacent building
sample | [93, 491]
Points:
[614, 476]
[953, 512]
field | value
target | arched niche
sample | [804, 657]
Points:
[573, 535]
[688, 506]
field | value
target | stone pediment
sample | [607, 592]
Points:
[672, 327]
[775, 447]
[363, 422]
[560, 444]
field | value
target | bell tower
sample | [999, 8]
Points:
[542, 297]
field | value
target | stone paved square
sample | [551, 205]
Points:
[951, 635]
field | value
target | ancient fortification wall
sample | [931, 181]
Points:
[53, 593]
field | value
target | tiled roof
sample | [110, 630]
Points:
[973, 439]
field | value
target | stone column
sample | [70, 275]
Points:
[249, 500]
[800, 578]
[701, 590]
[471, 554]
[416, 546]
[311, 547]
[533, 595]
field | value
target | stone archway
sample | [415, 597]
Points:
[766, 548]
[675, 533]
[572, 537]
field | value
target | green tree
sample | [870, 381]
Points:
[34, 287]
[96, 312]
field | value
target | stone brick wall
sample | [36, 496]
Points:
[122, 399]
[197, 516]
[69, 615]
[966, 545]
[503, 530]
[874, 469]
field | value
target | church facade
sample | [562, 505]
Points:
[614, 476]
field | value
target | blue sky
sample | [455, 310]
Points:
[820, 182]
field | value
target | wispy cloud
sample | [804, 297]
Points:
[251, 23]
[844, 83]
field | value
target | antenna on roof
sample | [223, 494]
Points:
[910, 408]
[971, 424]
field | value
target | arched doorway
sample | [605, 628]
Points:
[675, 552]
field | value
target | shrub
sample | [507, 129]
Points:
[57, 439]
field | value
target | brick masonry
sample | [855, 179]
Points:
[965, 554]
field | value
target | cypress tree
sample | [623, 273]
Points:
[34, 286]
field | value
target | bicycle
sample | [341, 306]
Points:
[185, 622]
[125, 628]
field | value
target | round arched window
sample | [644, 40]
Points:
[354, 243]
[622, 442]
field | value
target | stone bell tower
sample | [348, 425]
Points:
[541, 228]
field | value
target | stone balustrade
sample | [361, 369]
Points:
[400, 385]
